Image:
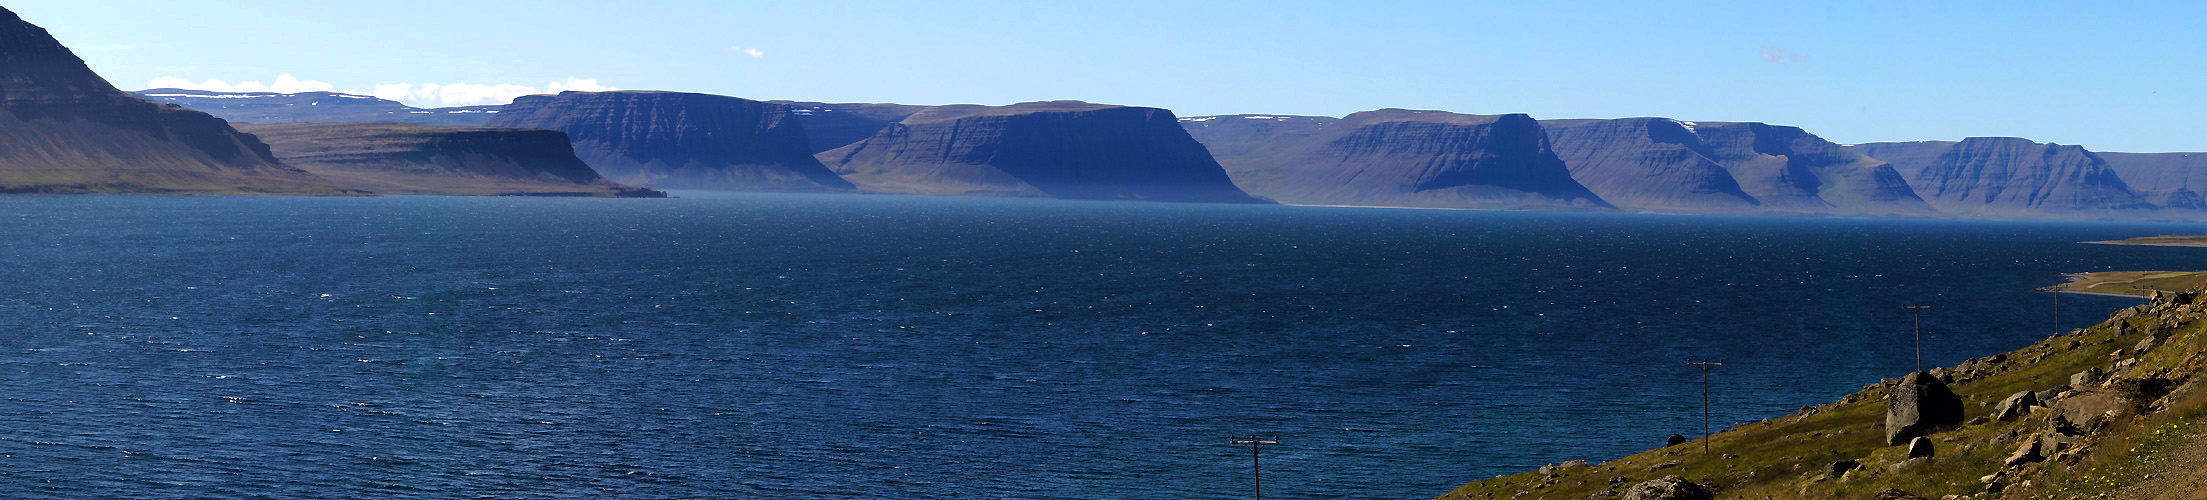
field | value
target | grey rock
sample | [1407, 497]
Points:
[1919, 406]
[1921, 447]
[1675, 440]
[2029, 451]
[1838, 469]
[2143, 345]
[2087, 378]
[1895, 494]
[2015, 406]
[1669, 488]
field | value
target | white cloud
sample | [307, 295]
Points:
[754, 53]
[468, 94]
[284, 83]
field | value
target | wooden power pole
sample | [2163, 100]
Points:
[1918, 309]
[1705, 365]
[1256, 467]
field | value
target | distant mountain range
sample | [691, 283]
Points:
[316, 107]
[64, 129]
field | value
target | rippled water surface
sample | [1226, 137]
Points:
[789, 346]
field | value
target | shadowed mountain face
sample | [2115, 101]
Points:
[1250, 146]
[1909, 158]
[1790, 170]
[2171, 180]
[315, 107]
[834, 125]
[1999, 176]
[1665, 165]
[1059, 149]
[414, 159]
[675, 140]
[1648, 164]
[1398, 157]
[63, 129]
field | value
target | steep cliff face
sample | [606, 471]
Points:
[2160, 176]
[1787, 169]
[315, 107]
[1060, 149]
[2005, 176]
[63, 129]
[1249, 146]
[414, 159]
[1648, 164]
[1909, 158]
[676, 140]
[834, 125]
[1399, 157]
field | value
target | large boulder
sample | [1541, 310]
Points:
[1669, 488]
[1919, 406]
[1921, 447]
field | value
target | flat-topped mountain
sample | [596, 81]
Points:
[390, 158]
[2006, 176]
[1248, 146]
[1414, 158]
[1788, 169]
[1058, 149]
[63, 129]
[1648, 164]
[2171, 180]
[834, 125]
[315, 107]
[1909, 157]
[676, 140]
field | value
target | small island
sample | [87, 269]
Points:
[2160, 241]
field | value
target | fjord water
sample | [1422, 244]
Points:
[821, 346]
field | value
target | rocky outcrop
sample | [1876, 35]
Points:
[1919, 406]
[1059, 149]
[63, 129]
[415, 159]
[2000, 177]
[674, 140]
[1399, 157]
[1669, 488]
[834, 125]
[316, 107]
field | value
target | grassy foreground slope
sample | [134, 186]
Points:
[2133, 413]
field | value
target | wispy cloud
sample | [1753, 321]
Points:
[1779, 55]
[284, 83]
[753, 52]
[417, 94]
[469, 94]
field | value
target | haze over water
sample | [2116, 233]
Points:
[794, 346]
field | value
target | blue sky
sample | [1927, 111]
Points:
[2112, 76]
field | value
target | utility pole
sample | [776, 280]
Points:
[1918, 309]
[1256, 448]
[1705, 365]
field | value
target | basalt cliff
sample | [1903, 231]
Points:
[64, 129]
[1398, 157]
[1057, 149]
[2012, 177]
[315, 107]
[675, 140]
[387, 158]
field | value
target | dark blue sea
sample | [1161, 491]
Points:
[826, 347]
